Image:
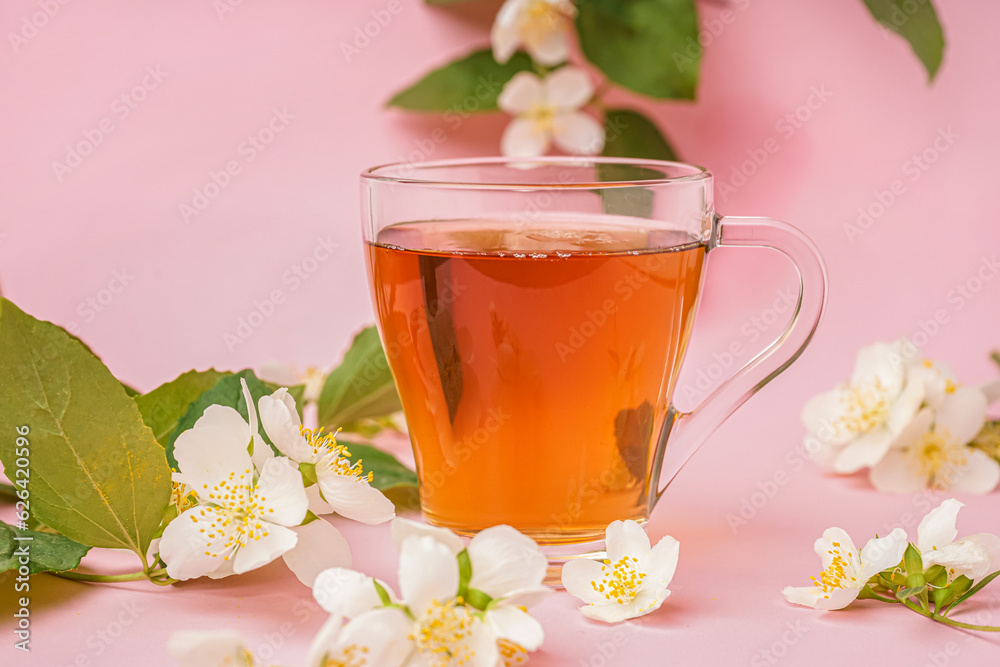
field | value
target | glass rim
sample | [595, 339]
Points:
[403, 172]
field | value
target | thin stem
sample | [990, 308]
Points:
[156, 576]
[947, 621]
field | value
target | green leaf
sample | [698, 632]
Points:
[361, 386]
[383, 595]
[227, 391]
[387, 471]
[995, 356]
[917, 23]
[97, 474]
[44, 552]
[912, 561]
[466, 85]
[163, 407]
[631, 134]
[8, 492]
[648, 46]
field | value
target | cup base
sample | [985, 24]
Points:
[560, 554]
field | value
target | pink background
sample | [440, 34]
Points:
[183, 286]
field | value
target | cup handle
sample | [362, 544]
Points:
[696, 426]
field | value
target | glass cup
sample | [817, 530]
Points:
[535, 315]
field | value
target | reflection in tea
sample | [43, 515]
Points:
[535, 365]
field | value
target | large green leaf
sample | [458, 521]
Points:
[97, 474]
[464, 86]
[44, 552]
[387, 471]
[361, 386]
[649, 46]
[917, 23]
[163, 407]
[227, 391]
[631, 134]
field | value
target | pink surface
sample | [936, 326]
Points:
[186, 284]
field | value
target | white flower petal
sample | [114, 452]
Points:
[625, 538]
[402, 528]
[902, 412]
[188, 552]
[821, 411]
[937, 528]
[206, 456]
[551, 49]
[280, 492]
[990, 544]
[522, 139]
[272, 541]
[991, 390]
[428, 571]
[962, 414]
[344, 592]
[317, 505]
[834, 541]
[661, 562]
[883, 362]
[382, 634]
[894, 474]
[568, 88]
[961, 557]
[320, 547]
[354, 498]
[915, 430]
[521, 93]
[504, 34]
[577, 576]
[980, 474]
[649, 599]
[609, 613]
[528, 597]
[578, 133]
[517, 626]
[881, 553]
[813, 596]
[864, 452]
[195, 648]
[505, 560]
[281, 423]
[482, 643]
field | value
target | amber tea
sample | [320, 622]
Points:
[535, 365]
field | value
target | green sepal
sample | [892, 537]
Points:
[868, 594]
[906, 593]
[383, 594]
[310, 517]
[912, 561]
[916, 581]
[937, 576]
[464, 573]
[942, 598]
[477, 599]
[308, 471]
[965, 595]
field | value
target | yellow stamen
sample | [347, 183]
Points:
[623, 583]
